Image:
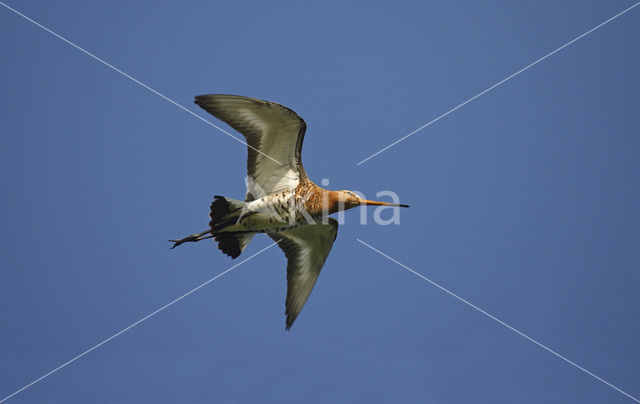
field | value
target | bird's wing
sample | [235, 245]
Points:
[274, 135]
[306, 248]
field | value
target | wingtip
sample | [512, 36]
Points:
[202, 99]
[289, 322]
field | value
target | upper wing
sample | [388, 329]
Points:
[306, 248]
[274, 135]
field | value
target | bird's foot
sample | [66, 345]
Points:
[191, 238]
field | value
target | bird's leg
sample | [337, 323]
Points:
[193, 237]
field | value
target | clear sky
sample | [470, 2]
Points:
[524, 202]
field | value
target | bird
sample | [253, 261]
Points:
[281, 201]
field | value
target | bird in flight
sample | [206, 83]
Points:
[281, 200]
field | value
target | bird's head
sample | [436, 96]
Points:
[350, 200]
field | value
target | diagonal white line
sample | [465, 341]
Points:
[498, 83]
[498, 320]
[135, 324]
[135, 80]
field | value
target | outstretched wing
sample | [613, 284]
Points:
[306, 248]
[274, 134]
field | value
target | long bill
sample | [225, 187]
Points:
[377, 203]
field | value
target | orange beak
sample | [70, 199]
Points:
[376, 203]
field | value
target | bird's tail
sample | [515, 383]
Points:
[227, 212]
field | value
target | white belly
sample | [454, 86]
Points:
[270, 214]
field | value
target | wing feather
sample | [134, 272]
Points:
[274, 134]
[306, 249]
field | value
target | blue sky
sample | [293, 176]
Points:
[524, 202]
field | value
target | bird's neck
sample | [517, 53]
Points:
[323, 201]
[333, 201]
